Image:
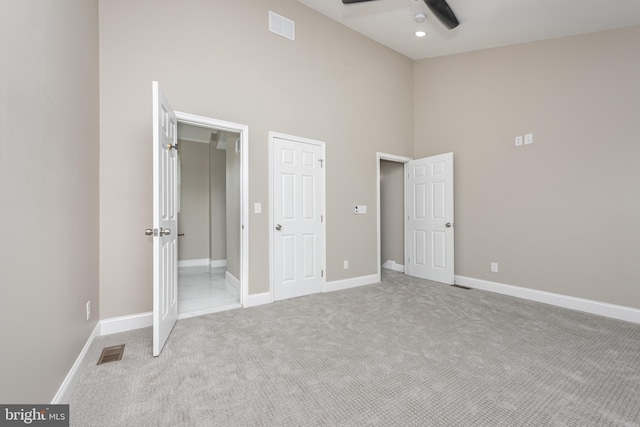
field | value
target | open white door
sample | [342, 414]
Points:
[165, 220]
[429, 198]
[298, 204]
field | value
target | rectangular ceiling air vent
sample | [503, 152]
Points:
[282, 26]
[111, 354]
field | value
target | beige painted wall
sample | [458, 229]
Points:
[218, 208]
[559, 215]
[193, 219]
[391, 212]
[233, 206]
[331, 84]
[48, 192]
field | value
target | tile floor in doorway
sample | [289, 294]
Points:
[204, 290]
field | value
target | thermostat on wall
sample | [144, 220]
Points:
[360, 209]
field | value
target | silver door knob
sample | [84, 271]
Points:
[448, 225]
[278, 227]
[165, 231]
[149, 231]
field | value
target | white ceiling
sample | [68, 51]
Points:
[483, 23]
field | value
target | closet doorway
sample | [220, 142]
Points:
[209, 220]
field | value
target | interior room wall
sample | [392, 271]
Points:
[218, 207]
[193, 219]
[391, 212]
[331, 84]
[558, 215]
[233, 206]
[49, 192]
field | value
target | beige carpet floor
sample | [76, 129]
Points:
[405, 352]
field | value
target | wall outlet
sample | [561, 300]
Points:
[88, 310]
[346, 265]
[494, 267]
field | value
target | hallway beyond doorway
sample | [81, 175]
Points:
[204, 290]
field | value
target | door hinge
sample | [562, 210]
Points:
[321, 218]
[321, 273]
[321, 162]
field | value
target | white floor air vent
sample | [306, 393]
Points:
[282, 26]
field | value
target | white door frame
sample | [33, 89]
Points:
[323, 255]
[398, 159]
[243, 130]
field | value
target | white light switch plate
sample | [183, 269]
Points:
[257, 207]
[528, 139]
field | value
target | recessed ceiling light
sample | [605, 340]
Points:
[420, 33]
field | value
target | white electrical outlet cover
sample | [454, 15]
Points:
[518, 141]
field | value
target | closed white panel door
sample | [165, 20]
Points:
[165, 220]
[298, 205]
[430, 236]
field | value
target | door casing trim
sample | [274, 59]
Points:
[392, 158]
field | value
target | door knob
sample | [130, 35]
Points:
[278, 227]
[165, 231]
[448, 225]
[149, 231]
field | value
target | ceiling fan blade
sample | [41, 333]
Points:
[353, 1]
[442, 11]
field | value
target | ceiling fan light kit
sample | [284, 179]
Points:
[440, 8]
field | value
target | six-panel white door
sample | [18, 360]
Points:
[430, 237]
[165, 220]
[298, 205]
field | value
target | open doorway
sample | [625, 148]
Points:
[428, 233]
[391, 211]
[212, 232]
[209, 220]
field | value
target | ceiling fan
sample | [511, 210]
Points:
[440, 8]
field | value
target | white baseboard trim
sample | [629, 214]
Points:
[594, 307]
[338, 285]
[232, 280]
[193, 262]
[218, 263]
[126, 323]
[71, 380]
[258, 299]
[392, 265]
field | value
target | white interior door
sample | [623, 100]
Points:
[165, 220]
[429, 240]
[298, 206]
